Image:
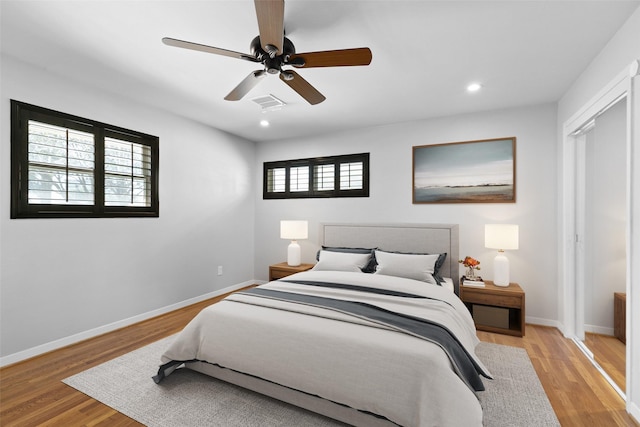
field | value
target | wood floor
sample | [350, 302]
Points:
[32, 394]
[610, 353]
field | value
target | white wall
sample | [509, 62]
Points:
[60, 277]
[621, 50]
[533, 266]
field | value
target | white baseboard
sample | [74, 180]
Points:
[73, 339]
[542, 322]
[563, 330]
[601, 330]
[634, 411]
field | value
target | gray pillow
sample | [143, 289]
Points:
[342, 261]
[412, 266]
[370, 267]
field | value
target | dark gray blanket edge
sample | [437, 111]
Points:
[358, 288]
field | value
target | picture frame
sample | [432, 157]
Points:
[482, 171]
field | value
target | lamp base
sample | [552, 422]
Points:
[501, 270]
[293, 254]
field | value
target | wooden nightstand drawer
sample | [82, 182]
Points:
[489, 299]
[278, 271]
[279, 274]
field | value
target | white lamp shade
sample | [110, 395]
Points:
[293, 230]
[501, 236]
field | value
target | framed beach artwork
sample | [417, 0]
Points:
[465, 172]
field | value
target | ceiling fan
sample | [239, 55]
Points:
[273, 50]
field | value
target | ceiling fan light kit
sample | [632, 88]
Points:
[273, 50]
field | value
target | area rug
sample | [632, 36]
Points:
[186, 398]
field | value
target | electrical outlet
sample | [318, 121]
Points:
[219, 270]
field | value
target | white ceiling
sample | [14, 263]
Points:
[424, 55]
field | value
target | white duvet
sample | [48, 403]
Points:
[339, 357]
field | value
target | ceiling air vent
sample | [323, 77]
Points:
[269, 102]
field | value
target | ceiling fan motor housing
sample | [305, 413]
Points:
[273, 50]
[273, 65]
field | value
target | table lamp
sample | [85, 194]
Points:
[294, 231]
[501, 237]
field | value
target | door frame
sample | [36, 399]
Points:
[625, 85]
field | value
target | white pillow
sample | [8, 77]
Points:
[341, 261]
[410, 266]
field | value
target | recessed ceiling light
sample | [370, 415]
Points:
[264, 123]
[474, 87]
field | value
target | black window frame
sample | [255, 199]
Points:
[21, 113]
[311, 163]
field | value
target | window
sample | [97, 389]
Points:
[66, 166]
[276, 180]
[299, 178]
[351, 176]
[127, 173]
[336, 176]
[323, 177]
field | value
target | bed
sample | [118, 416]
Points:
[393, 346]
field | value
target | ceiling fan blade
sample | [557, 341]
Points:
[208, 49]
[270, 15]
[302, 86]
[245, 85]
[333, 58]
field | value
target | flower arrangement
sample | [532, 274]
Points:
[471, 264]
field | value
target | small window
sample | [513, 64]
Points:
[324, 177]
[61, 165]
[299, 178]
[127, 173]
[276, 181]
[336, 176]
[351, 176]
[68, 166]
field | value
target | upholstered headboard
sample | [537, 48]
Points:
[418, 238]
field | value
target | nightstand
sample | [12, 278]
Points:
[278, 271]
[496, 308]
[620, 316]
